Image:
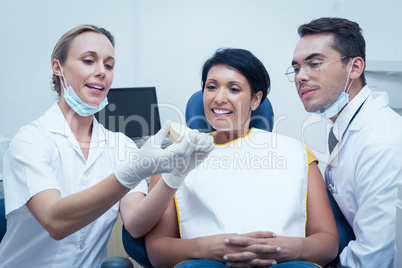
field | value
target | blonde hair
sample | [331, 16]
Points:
[62, 47]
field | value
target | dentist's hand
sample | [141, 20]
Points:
[151, 159]
[202, 144]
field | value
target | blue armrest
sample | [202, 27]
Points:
[117, 262]
[135, 248]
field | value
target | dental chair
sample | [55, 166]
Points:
[345, 231]
[262, 118]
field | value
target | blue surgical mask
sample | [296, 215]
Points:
[79, 106]
[341, 102]
[334, 109]
[75, 103]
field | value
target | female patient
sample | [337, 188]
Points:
[258, 199]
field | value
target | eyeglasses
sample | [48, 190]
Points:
[311, 67]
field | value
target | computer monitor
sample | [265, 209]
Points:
[133, 111]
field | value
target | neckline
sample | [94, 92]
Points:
[232, 141]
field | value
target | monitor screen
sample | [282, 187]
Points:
[133, 111]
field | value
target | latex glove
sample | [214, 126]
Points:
[151, 159]
[203, 145]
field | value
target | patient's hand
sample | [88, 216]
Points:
[261, 249]
[213, 247]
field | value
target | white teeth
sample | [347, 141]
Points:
[221, 111]
[96, 87]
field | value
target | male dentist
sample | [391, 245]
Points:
[365, 165]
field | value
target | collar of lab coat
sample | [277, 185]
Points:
[344, 118]
[373, 101]
[54, 121]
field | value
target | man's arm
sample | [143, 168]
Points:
[378, 172]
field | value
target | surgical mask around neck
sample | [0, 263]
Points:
[334, 109]
[75, 103]
[341, 102]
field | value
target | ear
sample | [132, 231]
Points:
[56, 67]
[255, 102]
[357, 68]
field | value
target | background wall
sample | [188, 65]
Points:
[164, 44]
[30, 29]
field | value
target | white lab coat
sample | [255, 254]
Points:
[45, 155]
[364, 170]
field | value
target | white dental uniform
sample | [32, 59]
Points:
[364, 170]
[45, 155]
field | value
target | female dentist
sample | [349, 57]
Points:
[64, 173]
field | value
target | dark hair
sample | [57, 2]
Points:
[246, 63]
[62, 47]
[348, 37]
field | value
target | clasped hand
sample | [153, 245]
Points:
[256, 249]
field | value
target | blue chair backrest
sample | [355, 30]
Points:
[345, 231]
[262, 117]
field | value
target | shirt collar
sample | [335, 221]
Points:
[345, 117]
[53, 121]
[98, 131]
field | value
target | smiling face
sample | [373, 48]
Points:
[320, 91]
[89, 67]
[228, 101]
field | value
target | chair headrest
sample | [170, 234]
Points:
[262, 117]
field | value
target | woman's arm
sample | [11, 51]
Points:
[64, 216]
[165, 248]
[140, 213]
[319, 246]
[163, 241]
[321, 242]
